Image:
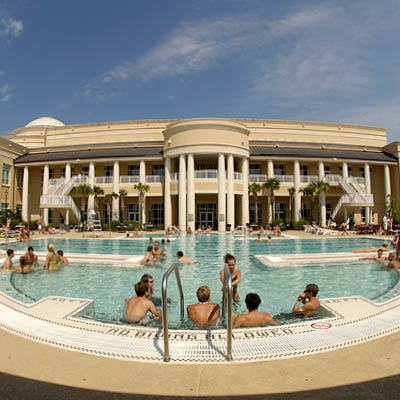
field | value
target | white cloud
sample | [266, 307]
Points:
[5, 93]
[7, 97]
[10, 27]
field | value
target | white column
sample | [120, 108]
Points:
[270, 170]
[322, 209]
[245, 196]
[345, 170]
[190, 192]
[67, 178]
[91, 183]
[388, 190]
[45, 190]
[167, 193]
[182, 193]
[221, 194]
[367, 176]
[115, 203]
[297, 194]
[142, 179]
[25, 194]
[230, 209]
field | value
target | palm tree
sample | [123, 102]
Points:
[270, 186]
[321, 188]
[291, 191]
[142, 189]
[97, 191]
[309, 193]
[121, 194]
[108, 198]
[254, 188]
[85, 191]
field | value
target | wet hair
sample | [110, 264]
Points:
[384, 245]
[50, 247]
[252, 301]
[162, 241]
[141, 288]
[228, 257]
[269, 237]
[168, 241]
[203, 293]
[9, 252]
[145, 278]
[149, 248]
[391, 256]
[30, 248]
[179, 253]
[60, 252]
[312, 288]
[22, 262]
[156, 242]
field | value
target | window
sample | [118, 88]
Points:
[133, 170]
[85, 171]
[279, 169]
[4, 206]
[20, 177]
[327, 170]
[255, 169]
[362, 172]
[157, 214]
[363, 215]
[63, 172]
[328, 210]
[304, 170]
[305, 211]
[51, 216]
[280, 211]
[253, 213]
[157, 169]
[108, 170]
[61, 219]
[6, 174]
[133, 212]
[51, 173]
[350, 171]
[72, 171]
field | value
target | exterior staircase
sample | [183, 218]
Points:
[58, 194]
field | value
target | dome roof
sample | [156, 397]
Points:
[45, 121]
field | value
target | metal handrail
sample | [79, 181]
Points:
[227, 292]
[173, 267]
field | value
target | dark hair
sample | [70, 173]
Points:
[179, 253]
[149, 248]
[30, 248]
[252, 301]
[60, 252]
[145, 278]
[9, 252]
[162, 241]
[312, 288]
[141, 288]
[22, 262]
[228, 257]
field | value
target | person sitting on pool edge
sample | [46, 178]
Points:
[309, 301]
[204, 314]
[183, 259]
[138, 306]
[253, 317]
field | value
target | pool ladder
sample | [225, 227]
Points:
[226, 303]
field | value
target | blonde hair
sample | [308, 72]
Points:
[50, 248]
[203, 293]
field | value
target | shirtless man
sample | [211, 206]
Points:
[23, 267]
[379, 256]
[31, 258]
[204, 314]
[158, 252]
[61, 259]
[269, 239]
[137, 306]
[183, 259]
[309, 301]
[259, 238]
[393, 263]
[236, 275]
[384, 247]
[148, 258]
[253, 317]
[8, 264]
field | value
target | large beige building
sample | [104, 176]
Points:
[199, 170]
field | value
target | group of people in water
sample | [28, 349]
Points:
[383, 254]
[30, 260]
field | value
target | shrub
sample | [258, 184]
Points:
[299, 225]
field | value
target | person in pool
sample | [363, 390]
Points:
[182, 259]
[383, 247]
[148, 258]
[253, 317]
[307, 302]
[8, 263]
[379, 257]
[139, 305]
[236, 274]
[393, 263]
[61, 259]
[204, 314]
[31, 257]
[158, 252]
[51, 259]
[23, 267]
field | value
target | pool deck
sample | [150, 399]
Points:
[46, 343]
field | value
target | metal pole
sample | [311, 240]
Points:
[228, 279]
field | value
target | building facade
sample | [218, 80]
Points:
[198, 170]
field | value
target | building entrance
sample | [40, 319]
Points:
[206, 215]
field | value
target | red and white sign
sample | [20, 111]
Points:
[321, 325]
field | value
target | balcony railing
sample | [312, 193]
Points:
[175, 177]
[356, 180]
[238, 176]
[258, 178]
[332, 179]
[56, 181]
[154, 178]
[104, 180]
[129, 179]
[206, 174]
[284, 178]
[308, 178]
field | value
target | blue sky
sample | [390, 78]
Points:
[93, 61]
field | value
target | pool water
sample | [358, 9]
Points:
[278, 287]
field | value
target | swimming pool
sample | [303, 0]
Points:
[277, 287]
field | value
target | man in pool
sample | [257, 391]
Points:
[307, 302]
[183, 259]
[236, 275]
[384, 247]
[61, 259]
[158, 252]
[204, 314]
[138, 306]
[379, 257]
[8, 263]
[31, 258]
[393, 263]
[148, 258]
[253, 317]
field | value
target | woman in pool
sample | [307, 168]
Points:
[23, 267]
[51, 259]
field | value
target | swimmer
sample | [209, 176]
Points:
[309, 300]
[208, 230]
[393, 263]
[151, 240]
[51, 259]
[23, 268]
[269, 240]
[30, 257]
[383, 247]
[236, 275]
[189, 230]
[148, 258]
[204, 314]
[8, 264]
[158, 252]
[183, 259]
[137, 306]
[61, 259]
[167, 241]
[379, 256]
[253, 317]
[259, 238]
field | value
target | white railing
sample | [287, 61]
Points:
[356, 180]
[349, 189]
[129, 179]
[258, 178]
[284, 178]
[206, 174]
[175, 177]
[237, 176]
[59, 201]
[354, 199]
[104, 180]
[356, 183]
[331, 179]
[56, 181]
[154, 178]
[308, 178]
